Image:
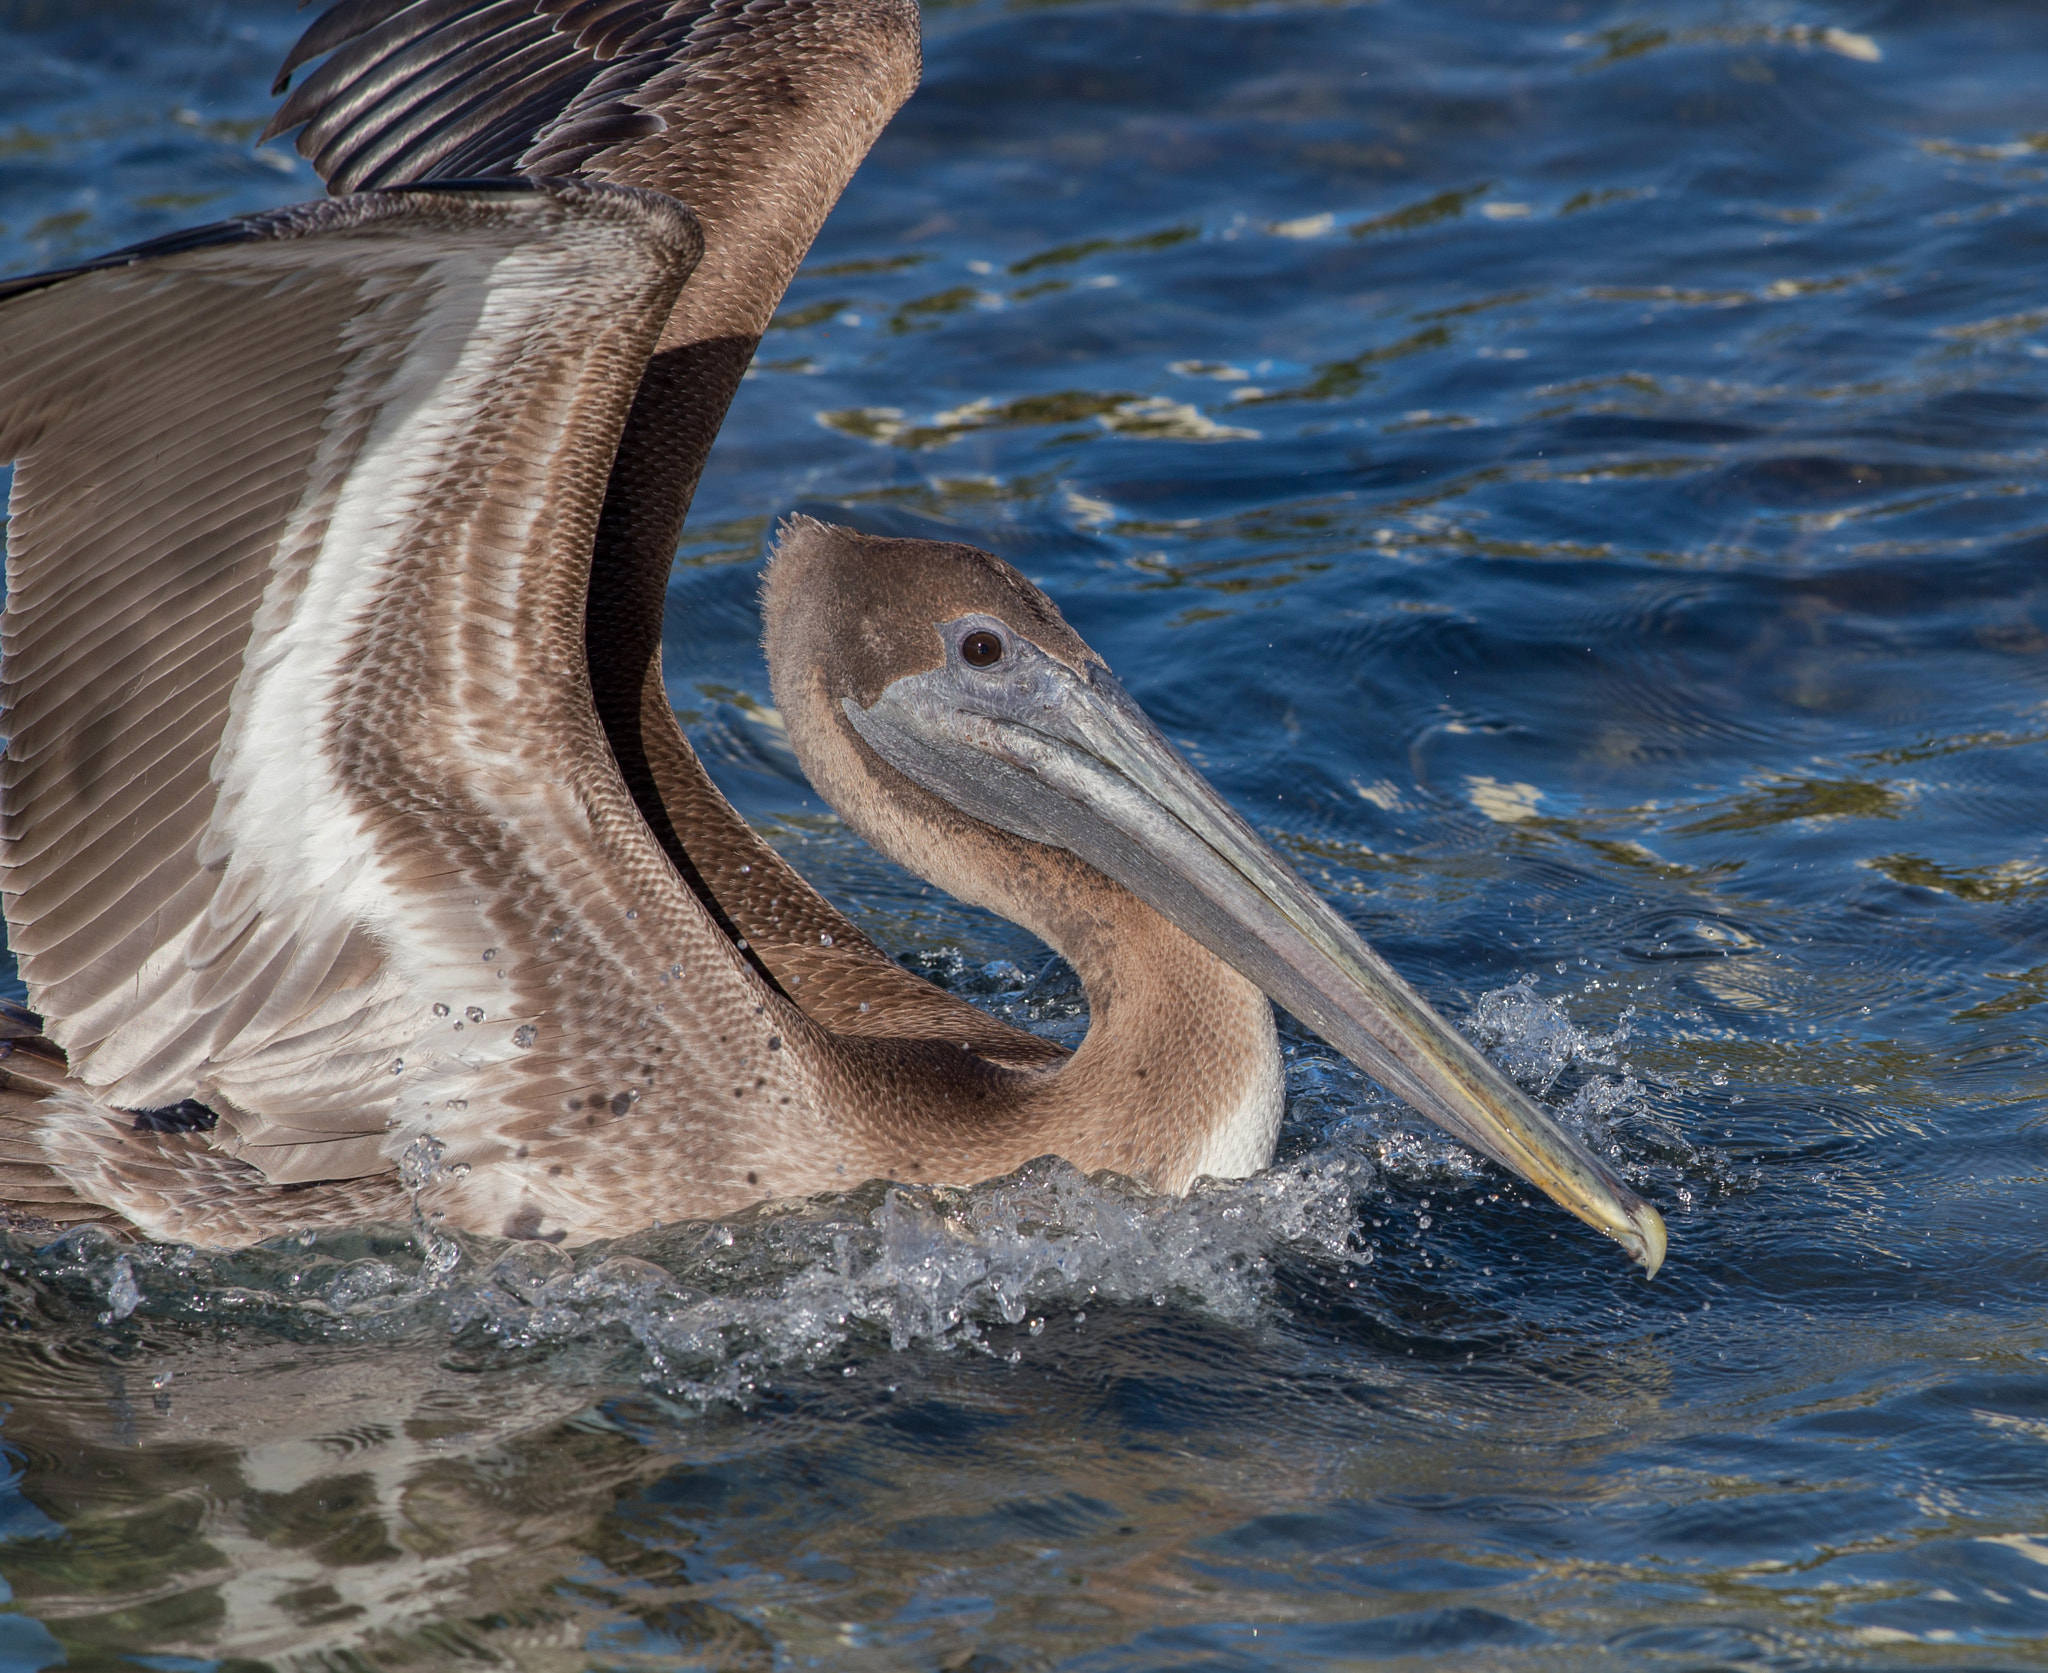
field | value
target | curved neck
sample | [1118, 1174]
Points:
[1179, 1075]
[1180, 1072]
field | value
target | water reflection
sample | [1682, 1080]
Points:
[276, 1497]
[1151, 1482]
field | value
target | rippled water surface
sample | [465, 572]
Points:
[1573, 474]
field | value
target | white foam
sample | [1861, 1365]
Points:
[720, 1308]
[712, 1311]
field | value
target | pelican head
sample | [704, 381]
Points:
[945, 708]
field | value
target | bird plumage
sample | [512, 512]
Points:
[350, 847]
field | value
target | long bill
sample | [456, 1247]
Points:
[1135, 809]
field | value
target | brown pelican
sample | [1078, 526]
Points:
[350, 846]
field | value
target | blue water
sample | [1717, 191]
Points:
[1572, 474]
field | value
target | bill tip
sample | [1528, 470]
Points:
[1647, 1243]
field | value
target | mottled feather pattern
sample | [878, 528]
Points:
[186, 936]
[754, 112]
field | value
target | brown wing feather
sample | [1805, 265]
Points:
[443, 89]
[755, 113]
[187, 421]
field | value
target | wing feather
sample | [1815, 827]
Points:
[93, 1007]
[81, 866]
[454, 131]
[364, 73]
[425, 90]
[755, 113]
[171, 630]
[226, 445]
[385, 63]
[112, 757]
[344, 22]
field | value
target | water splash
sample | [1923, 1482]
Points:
[1536, 1041]
[713, 1311]
[717, 1310]
[124, 1295]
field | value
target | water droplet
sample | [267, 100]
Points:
[421, 1161]
[489, 954]
[161, 1380]
[675, 970]
[440, 1010]
[824, 940]
[458, 1028]
[1718, 1078]
[398, 1065]
[745, 869]
[632, 912]
[863, 1005]
[475, 1013]
[124, 1295]
[741, 944]
[524, 1035]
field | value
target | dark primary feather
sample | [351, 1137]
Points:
[434, 88]
[191, 238]
[343, 22]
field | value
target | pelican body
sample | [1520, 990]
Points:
[349, 847]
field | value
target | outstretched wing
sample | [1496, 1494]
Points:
[247, 458]
[755, 113]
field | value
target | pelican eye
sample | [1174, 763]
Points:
[981, 649]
